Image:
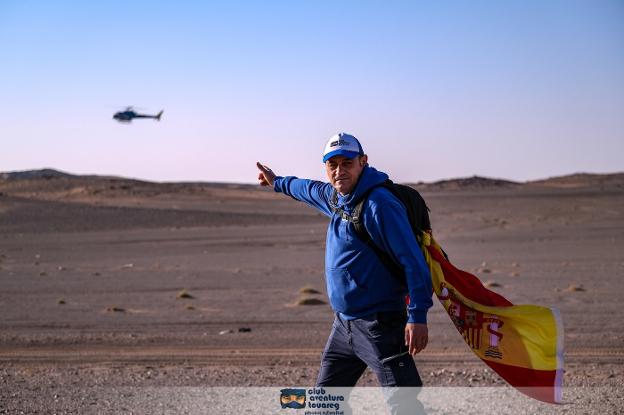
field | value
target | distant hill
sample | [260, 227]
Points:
[577, 180]
[474, 182]
[34, 174]
[47, 174]
[581, 180]
[50, 181]
[53, 184]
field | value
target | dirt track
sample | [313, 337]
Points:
[209, 356]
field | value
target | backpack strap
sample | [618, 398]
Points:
[416, 212]
[357, 220]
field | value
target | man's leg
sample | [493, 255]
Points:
[379, 337]
[340, 366]
[382, 336]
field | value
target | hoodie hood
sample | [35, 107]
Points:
[370, 177]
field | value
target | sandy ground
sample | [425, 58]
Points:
[91, 272]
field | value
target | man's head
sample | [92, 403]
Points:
[344, 161]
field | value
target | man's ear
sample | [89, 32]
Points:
[363, 160]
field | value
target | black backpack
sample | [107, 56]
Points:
[417, 216]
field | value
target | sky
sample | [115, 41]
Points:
[520, 90]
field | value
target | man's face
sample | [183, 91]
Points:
[343, 172]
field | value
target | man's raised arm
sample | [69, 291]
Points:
[312, 192]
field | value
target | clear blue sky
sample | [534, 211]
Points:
[513, 89]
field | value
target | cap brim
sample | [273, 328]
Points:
[345, 153]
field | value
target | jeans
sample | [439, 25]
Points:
[355, 344]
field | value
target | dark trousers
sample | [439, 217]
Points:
[355, 344]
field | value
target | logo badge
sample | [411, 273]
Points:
[293, 398]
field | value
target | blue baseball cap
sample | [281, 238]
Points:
[342, 144]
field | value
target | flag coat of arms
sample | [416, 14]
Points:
[522, 343]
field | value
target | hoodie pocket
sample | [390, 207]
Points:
[344, 292]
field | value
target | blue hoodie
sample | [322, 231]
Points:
[358, 284]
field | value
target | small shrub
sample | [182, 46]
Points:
[184, 294]
[309, 301]
[308, 290]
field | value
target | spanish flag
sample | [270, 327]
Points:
[522, 343]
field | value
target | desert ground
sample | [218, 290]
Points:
[109, 283]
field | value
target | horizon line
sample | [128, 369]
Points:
[113, 176]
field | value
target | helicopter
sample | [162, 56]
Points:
[129, 114]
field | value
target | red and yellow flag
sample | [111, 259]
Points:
[522, 343]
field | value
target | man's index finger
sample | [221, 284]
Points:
[261, 167]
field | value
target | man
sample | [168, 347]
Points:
[371, 327]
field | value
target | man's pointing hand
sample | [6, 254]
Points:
[266, 175]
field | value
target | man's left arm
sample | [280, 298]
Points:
[393, 234]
